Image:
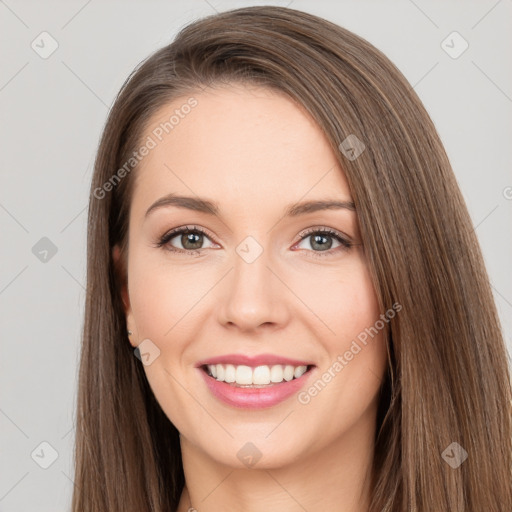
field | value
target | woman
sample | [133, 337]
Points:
[287, 307]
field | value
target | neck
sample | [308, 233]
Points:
[336, 477]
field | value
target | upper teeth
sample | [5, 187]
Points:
[260, 375]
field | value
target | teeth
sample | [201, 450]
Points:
[288, 372]
[299, 371]
[276, 373]
[261, 375]
[230, 374]
[243, 375]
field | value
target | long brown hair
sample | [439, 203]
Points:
[448, 379]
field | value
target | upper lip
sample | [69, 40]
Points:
[255, 360]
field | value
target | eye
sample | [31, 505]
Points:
[320, 241]
[189, 238]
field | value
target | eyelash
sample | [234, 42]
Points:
[167, 237]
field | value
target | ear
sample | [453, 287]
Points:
[122, 283]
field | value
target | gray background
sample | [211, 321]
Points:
[52, 113]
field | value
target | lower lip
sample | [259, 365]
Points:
[254, 398]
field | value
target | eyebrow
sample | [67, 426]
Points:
[211, 208]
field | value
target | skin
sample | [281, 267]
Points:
[254, 151]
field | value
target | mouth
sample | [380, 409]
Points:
[263, 376]
[254, 381]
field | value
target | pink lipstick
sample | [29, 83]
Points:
[254, 382]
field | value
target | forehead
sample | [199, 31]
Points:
[250, 145]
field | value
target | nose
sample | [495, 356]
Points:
[253, 295]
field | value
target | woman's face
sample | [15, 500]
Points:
[260, 283]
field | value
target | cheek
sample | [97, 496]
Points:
[343, 299]
[162, 296]
[162, 299]
[353, 341]
[354, 365]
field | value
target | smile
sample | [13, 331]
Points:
[255, 387]
[246, 376]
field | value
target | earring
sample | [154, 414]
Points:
[130, 333]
